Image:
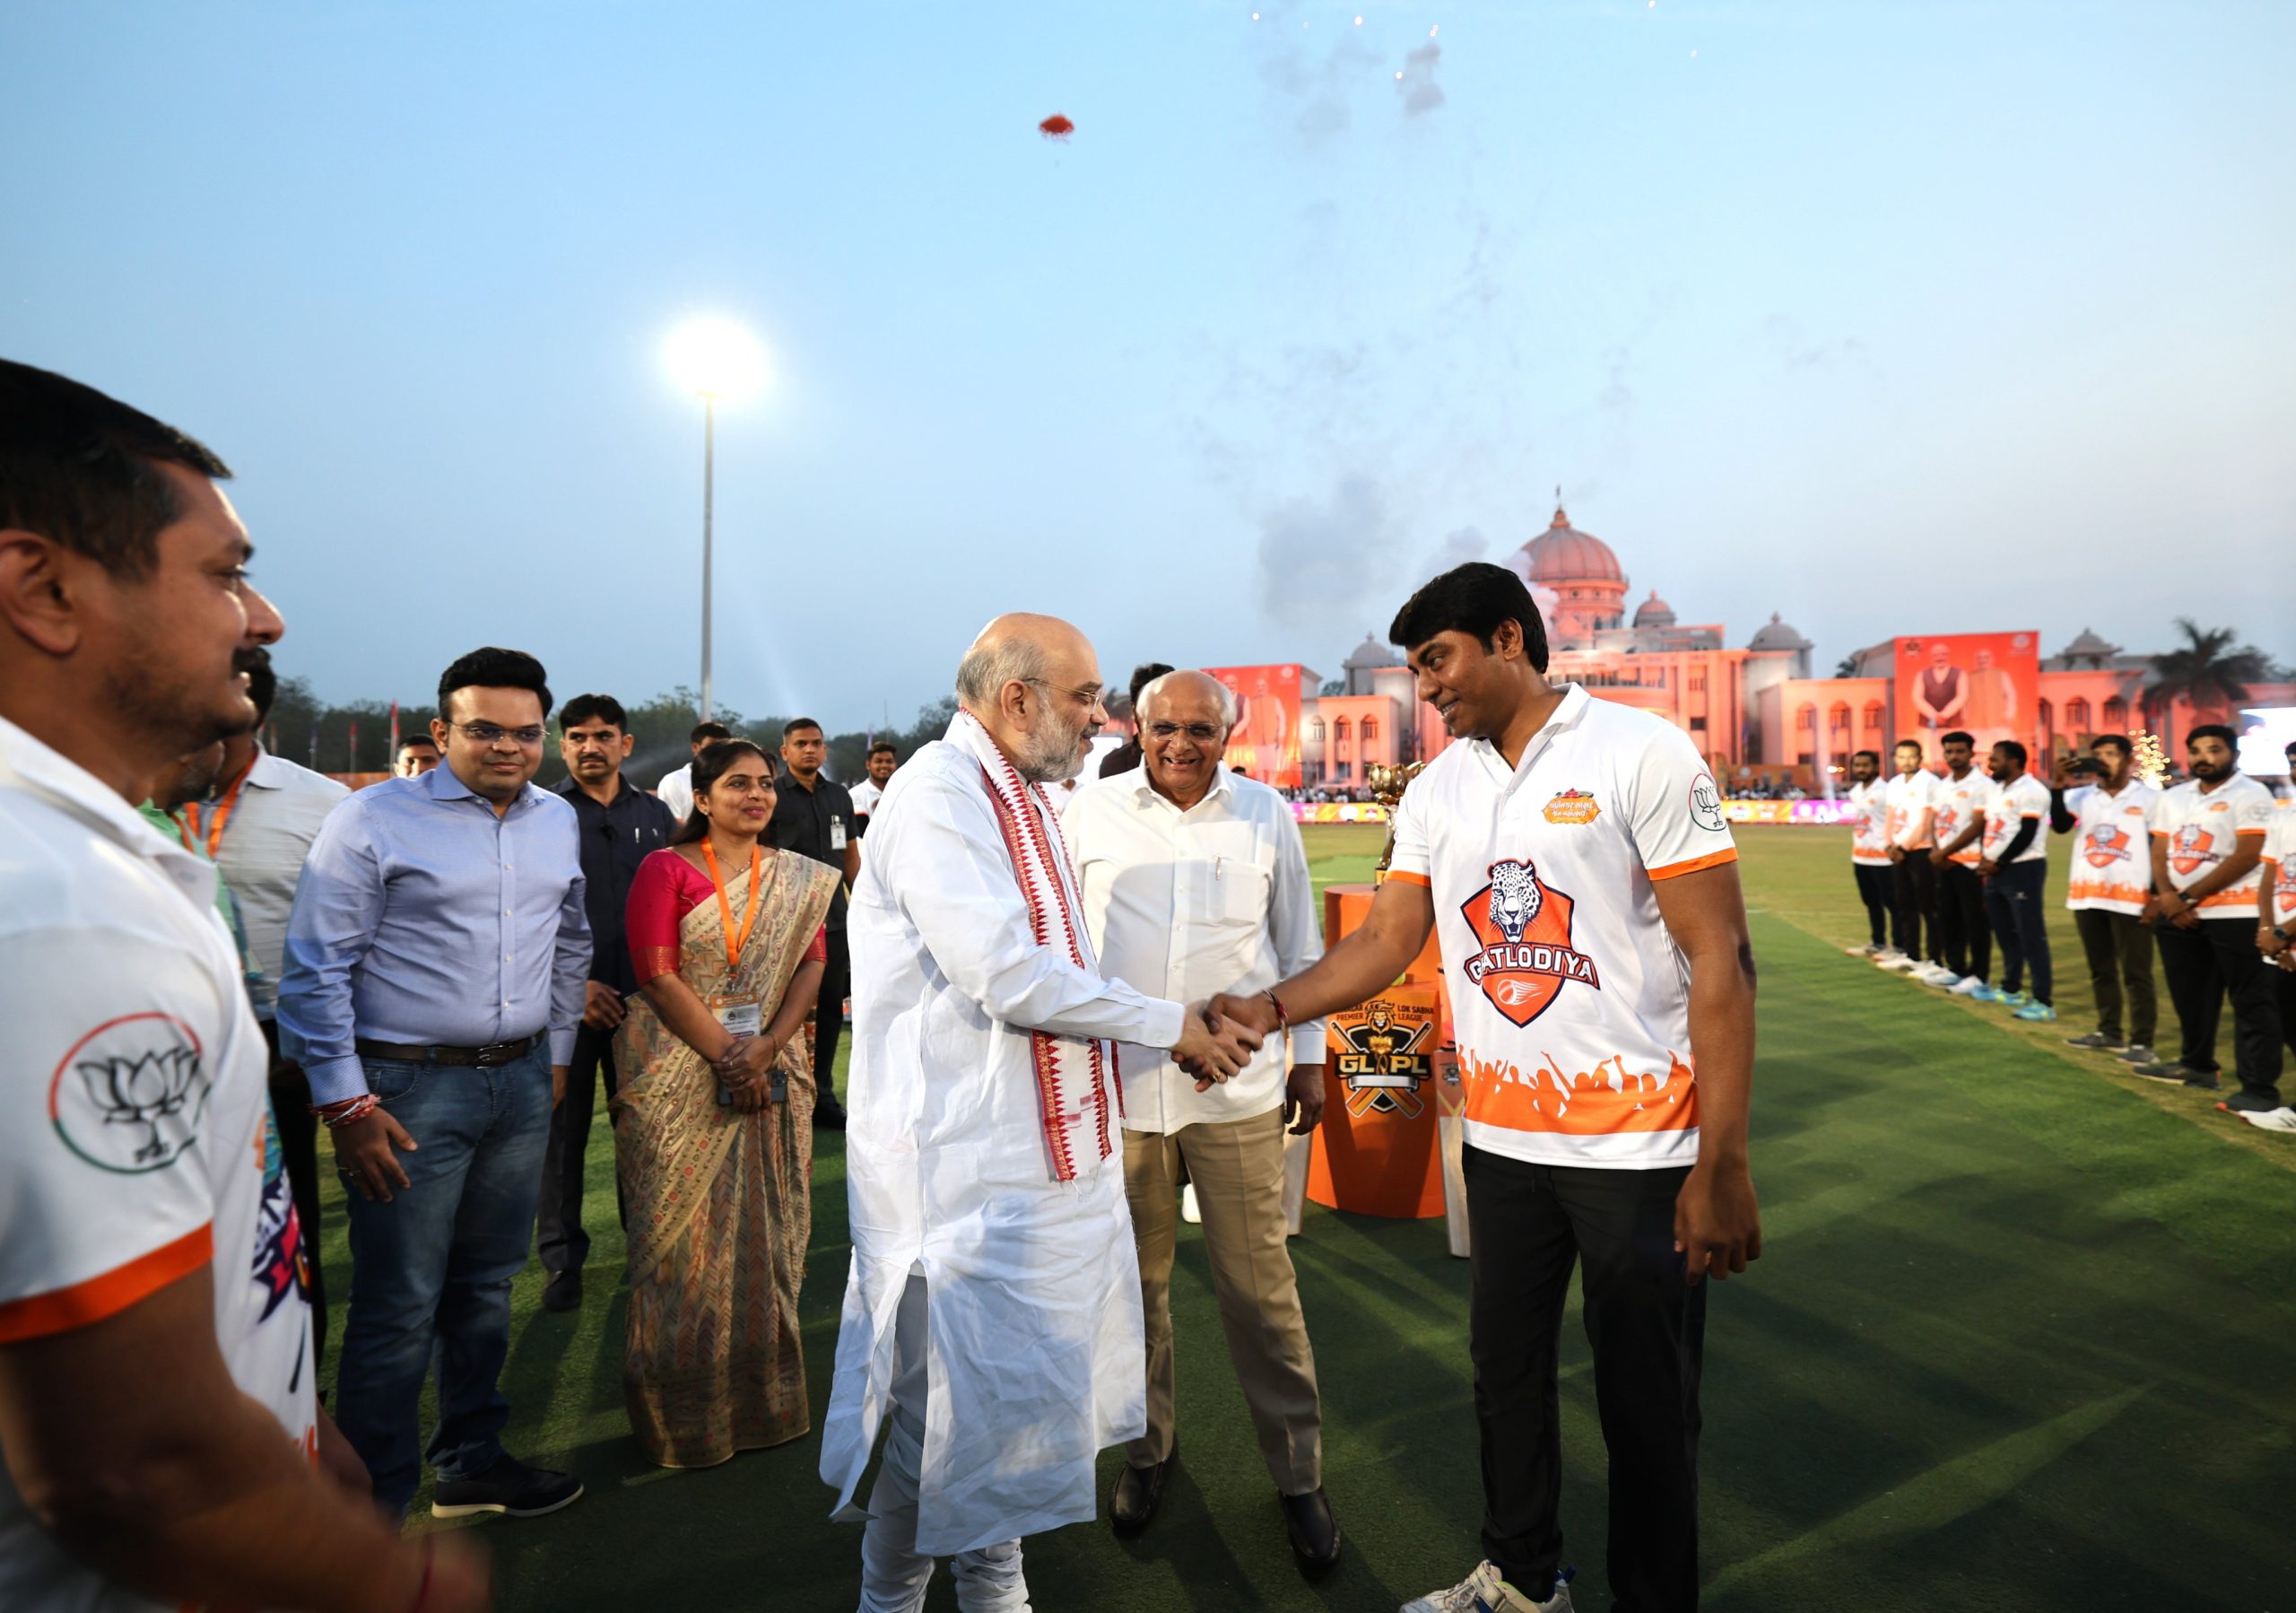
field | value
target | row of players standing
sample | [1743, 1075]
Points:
[2206, 868]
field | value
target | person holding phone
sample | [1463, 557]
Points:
[714, 1123]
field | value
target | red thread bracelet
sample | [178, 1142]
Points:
[1282, 1020]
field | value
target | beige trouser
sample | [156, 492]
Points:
[1237, 1170]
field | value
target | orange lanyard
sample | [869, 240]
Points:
[222, 813]
[735, 939]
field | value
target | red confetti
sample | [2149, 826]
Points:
[1058, 127]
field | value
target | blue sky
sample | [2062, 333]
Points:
[1893, 318]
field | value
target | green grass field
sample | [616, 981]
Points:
[2025, 1338]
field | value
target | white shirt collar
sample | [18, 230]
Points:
[1145, 788]
[1567, 712]
[44, 770]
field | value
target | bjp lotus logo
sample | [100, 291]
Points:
[131, 1094]
[1525, 927]
[2108, 845]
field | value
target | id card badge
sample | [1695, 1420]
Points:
[741, 1016]
[837, 834]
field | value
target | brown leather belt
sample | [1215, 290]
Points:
[490, 1057]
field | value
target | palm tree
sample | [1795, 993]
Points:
[2208, 671]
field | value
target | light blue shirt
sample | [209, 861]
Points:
[422, 918]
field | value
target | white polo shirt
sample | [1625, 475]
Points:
[260, 845]
[677, 792]
[1910, 797]
[1182, 904]
[2111, 870]
[865, 795]
[2202, 829]
[1961, 802]
[138, 1145]
[2007, 805]
[1869, 832]
[1569, 1000]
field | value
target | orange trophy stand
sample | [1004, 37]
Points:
[1387, 1081]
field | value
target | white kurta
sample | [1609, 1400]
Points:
[1036, 1361]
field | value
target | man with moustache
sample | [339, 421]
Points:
[160, 1445]
[1195, 879]
[882, 760]
[992, 1317]
[1911, 800]
[813, 816]
[417, 755]
[2108, 886]
[621, 826]
[2013, 863]
[1869, 849]
[1966, 937]
[436, 961]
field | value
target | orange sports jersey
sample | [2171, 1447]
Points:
[1869, 835]
[2112, 851]
[1569, 1000]
[1961, 802]
[2203, 828]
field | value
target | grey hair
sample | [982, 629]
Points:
[1228, 711]
[987, 669]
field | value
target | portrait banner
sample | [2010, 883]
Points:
[1986, 685]
[1265, 743]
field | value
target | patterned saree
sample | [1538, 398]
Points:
[719, 1201]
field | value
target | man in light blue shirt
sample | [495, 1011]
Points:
[435, 966]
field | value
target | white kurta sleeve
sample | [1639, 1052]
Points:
[943, 863]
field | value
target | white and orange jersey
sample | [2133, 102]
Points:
[1961, 802]
[2007, 807]
[2202, 829]
[2279, 866]
[2112, 851]
[1912, 800]
[1569, 1000]
[1869, 830]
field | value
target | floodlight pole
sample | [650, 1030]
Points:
[709, 494]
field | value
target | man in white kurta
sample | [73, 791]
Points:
[992, 1316]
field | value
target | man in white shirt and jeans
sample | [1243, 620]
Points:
[1195, 879]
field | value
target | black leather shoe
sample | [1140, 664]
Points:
[563, 1292]
[1315, 1532]
[1133, 1503]
[509, 1487]
[828, 1116]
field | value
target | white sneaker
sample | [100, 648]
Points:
[1943, 979]
[1189, 1213]
[2283, 1119]
[1968, 986]
[1484, 1591]
[1898, 961]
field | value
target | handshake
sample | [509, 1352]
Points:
[1219, 1036]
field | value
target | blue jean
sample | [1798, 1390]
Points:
[2012, 901]
[430, 1270]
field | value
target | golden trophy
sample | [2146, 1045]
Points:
[1387, 784]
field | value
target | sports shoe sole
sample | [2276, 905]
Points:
[473, 1508]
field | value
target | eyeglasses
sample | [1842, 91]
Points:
[1087, 698]
[487, 733]
[1202, 733]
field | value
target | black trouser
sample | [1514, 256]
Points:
[2204, 964]
[2012, 898]
[2119, 950]
[829, 1016]
[559, 1237]
[1964, 937]
[1648, 1327]
[1874, 883]
[299, 1150]
[1914, 903]
[2283, 986]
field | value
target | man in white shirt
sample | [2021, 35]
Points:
[1195, 879]
[1571, 856]
[2013, 863]
[1911, 801]
[882, 760]
[2108, 886]
[992, 1316]
[1965, 936]
[2208, 837]
[2276, 940]
[160, 1442]
[258, 829]
[1869, 849]
[676, 788]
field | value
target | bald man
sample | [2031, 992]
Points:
[992, 1317]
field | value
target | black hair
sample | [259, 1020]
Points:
[1143, 675]
[709, 767]
[1873, 757]
[704, 732]
[81, 467]
[2012, 749]
[883, 747]
[493, 668]
[1472, 598]
[600, 708]
[263, 680]
[794, 724]
[407, 741]
[2212, 730]
[1958, 737]
[2119, 742]
[1912, 744]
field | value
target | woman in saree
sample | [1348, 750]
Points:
[714, 1129]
